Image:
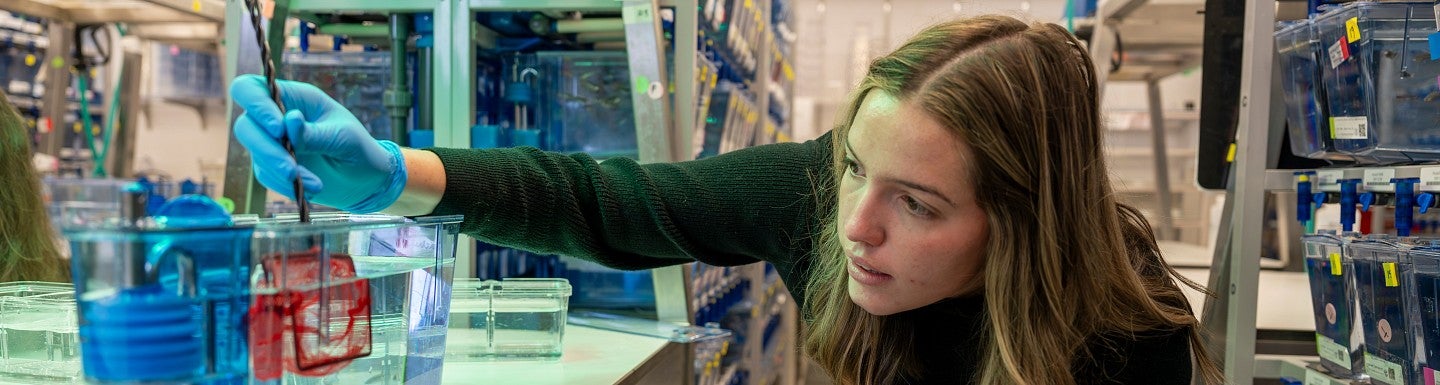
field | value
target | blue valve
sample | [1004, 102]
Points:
[1348, 198]
[1303, 196]
[1404, 204]
[1320, 198]
[1425, 201]
[1366, 199]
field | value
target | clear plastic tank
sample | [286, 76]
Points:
[1384, 100]
[1305, 104]
[1338, 335]
[39, 341]
[343, 299]
[1385, 283]
[515, 318]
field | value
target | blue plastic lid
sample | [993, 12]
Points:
[193, 211]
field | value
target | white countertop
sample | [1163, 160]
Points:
[1283, 302]
[592, 356]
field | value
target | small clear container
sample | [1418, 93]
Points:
[1338, 335]
[1385, 284]
[510, 319]
[355, 79]
[1384, 100]
[39, 341]
[1305, 107]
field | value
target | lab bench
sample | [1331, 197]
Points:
[592, 356]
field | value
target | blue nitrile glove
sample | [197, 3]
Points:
[341, 166]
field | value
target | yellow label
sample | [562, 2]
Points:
[30, 60]
[1304, 178]
[57, 62]
[94, 72]
[1230, 154]
[1391, 278]
[1335, 264]
[749, 4]
[1332, 127]
[1352, 29]
[195, 5]
[77, 127]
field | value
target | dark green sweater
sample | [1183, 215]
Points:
[746, 206]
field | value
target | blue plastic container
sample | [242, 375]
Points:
[1384, 99]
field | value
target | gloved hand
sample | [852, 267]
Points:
[340, 166]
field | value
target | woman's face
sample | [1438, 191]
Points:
[909, 224]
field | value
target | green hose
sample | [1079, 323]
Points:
[1070, 15]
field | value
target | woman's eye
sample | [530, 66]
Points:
[915, 207]
[853, 168]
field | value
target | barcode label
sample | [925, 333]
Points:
[1329, 180]
[1378, 179]
[1349, 127]
[1430, 176]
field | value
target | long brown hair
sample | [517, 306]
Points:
[1075, 263]
[27, 243]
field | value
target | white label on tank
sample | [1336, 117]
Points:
[1429, 177]
[1332, 351]
[1337, 53]
[1349, 127]
[1313, 377]
[1384, 372]
[1329, 180]
[1378, 179]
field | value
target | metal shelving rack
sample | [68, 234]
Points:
[1230, 315]
[188, 23]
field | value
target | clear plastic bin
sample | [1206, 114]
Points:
[1384, 100]
[1338, 335]
[1385, 283]
[39, 341]
[515, 318]
[81, 201]
[182, 73]
[343, 299]
[1305, 107]
[581, 100]
[1426, 260]
[356, 79]
[351, 299]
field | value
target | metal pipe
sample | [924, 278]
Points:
[397, 98]
[589, 25]
[358, 30]
[426, 99]
[596, 37]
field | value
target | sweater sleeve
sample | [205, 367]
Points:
[754, 204]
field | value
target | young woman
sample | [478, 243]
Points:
[28, 251]
[957, 226]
